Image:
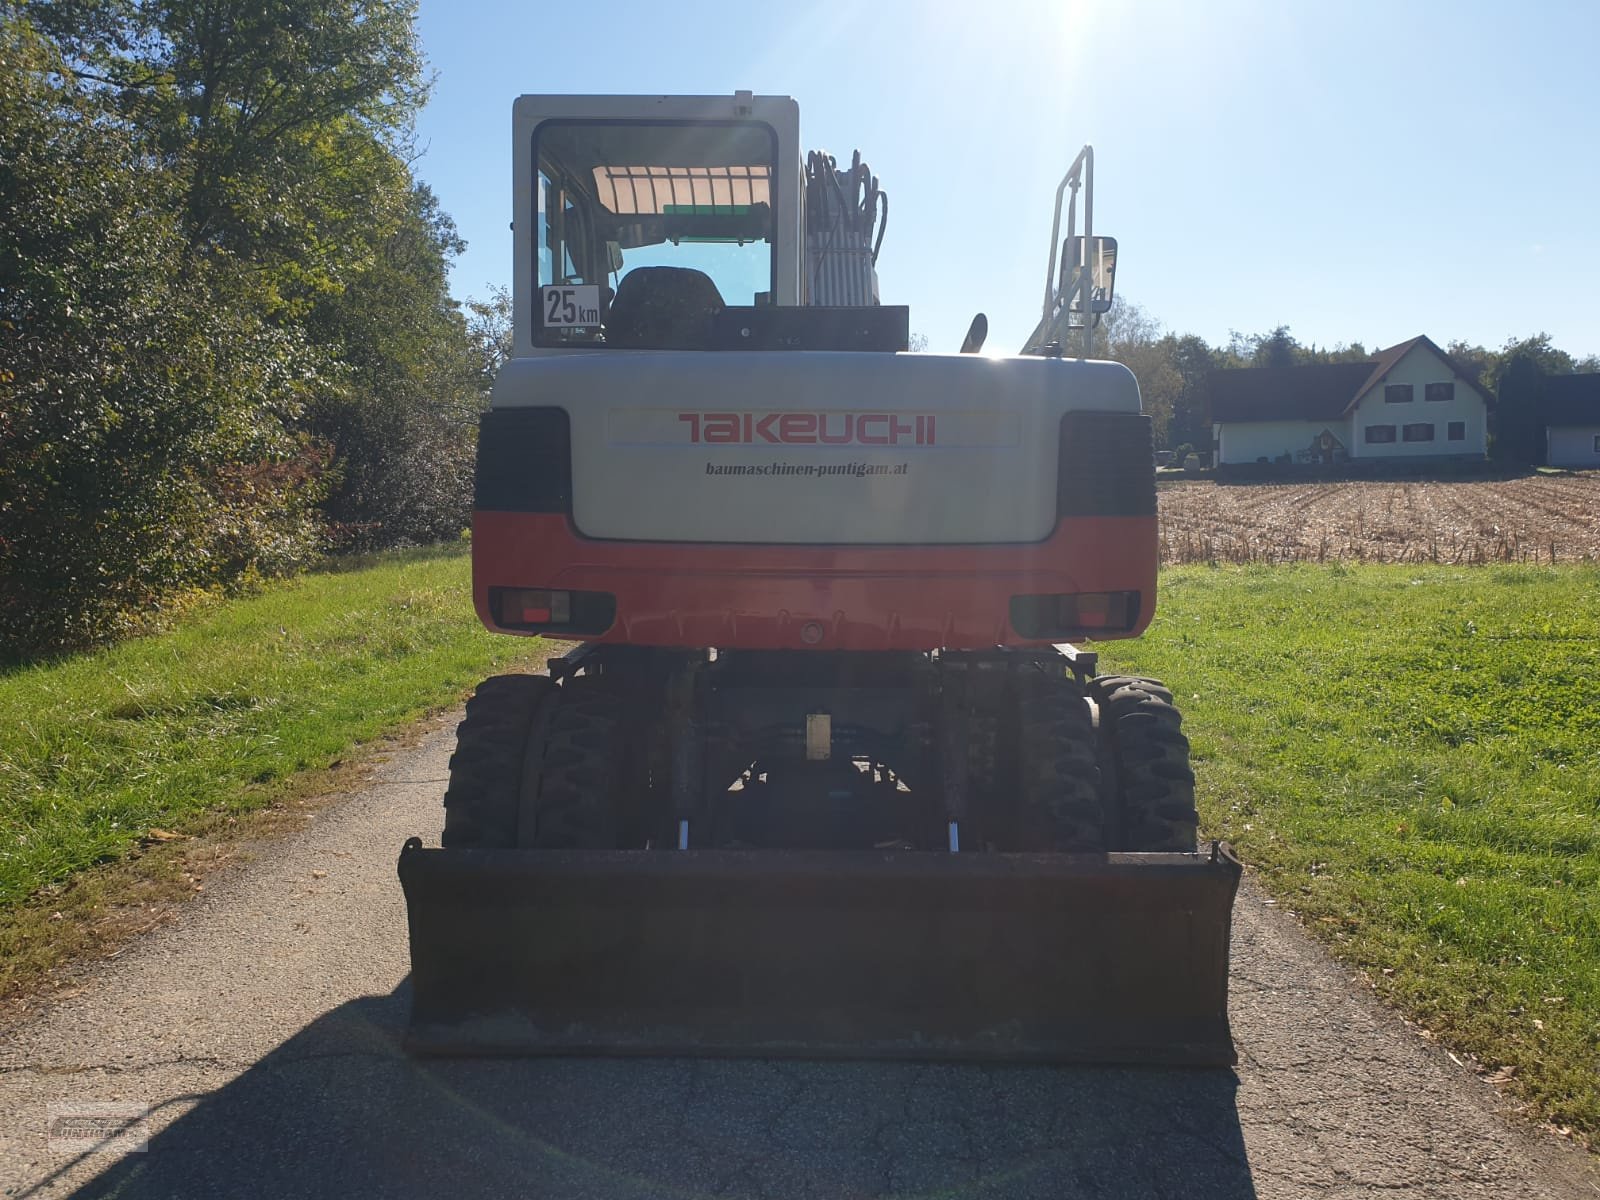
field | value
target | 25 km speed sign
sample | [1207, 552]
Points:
[572, 307]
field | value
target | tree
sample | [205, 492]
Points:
[1193, 361]
[1276, 349]
[223, 302]
[143, 445]
[1474, 361]
[489, 325]
[1341, 352]
[1486, 367]
[1129, 335]
[1516, 373]
[1517, 428]
[282, 122]
[1545, 358]
[401, 419]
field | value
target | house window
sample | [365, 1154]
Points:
[1440, 391]
[1597, 443]
[1380, 433]
[1421, 432]
[1456, 431]
[1397, 393]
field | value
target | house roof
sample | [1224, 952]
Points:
[1320, 392]
[1570, 399]
[1316, 393]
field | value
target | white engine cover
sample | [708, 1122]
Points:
[814, 447]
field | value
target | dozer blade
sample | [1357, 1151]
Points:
[1119, 958]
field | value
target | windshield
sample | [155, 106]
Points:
[615, 198]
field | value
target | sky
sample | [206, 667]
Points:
[1357, 171]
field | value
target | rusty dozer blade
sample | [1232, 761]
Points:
[1119, 958]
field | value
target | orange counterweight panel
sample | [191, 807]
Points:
[781, 597]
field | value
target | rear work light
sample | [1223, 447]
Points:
[1074, 614]
[545, 609]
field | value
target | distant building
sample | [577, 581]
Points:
[1410, 402]
[1569, 408]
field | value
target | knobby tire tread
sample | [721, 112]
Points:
[483, 800]
[1059, 807]
[1148, 781]
[583, 768]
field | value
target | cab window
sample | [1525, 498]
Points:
[616, 198]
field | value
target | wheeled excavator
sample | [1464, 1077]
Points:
[829, 768]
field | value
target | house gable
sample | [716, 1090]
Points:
[1390, 359]
[1448, 418]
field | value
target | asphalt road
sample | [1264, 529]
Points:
[261, 1030]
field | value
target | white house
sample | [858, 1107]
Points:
[1570, 408]
[1410, 402]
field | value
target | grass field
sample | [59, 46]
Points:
[1410, 757]
[98, 751]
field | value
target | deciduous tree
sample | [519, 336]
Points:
[143, 444]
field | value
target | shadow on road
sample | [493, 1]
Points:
[339, 1111]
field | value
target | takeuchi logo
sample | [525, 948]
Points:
[810, 428]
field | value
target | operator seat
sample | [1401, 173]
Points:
[663, 308]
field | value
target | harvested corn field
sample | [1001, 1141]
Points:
[1533, 518]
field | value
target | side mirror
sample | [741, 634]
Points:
[1098, 256]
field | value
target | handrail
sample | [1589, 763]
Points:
[1055, 320]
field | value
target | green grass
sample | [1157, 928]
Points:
[1411, 759]
[97, 750]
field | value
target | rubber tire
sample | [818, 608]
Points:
[483, 802]
[1144, 757]
[584, 770]
[1058, 802]
[1105, 685]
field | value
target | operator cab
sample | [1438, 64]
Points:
[681, 229]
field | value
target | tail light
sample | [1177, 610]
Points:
[545, 610]
[535, 606]
[1074, 614]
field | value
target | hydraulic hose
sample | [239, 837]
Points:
[830, 207]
